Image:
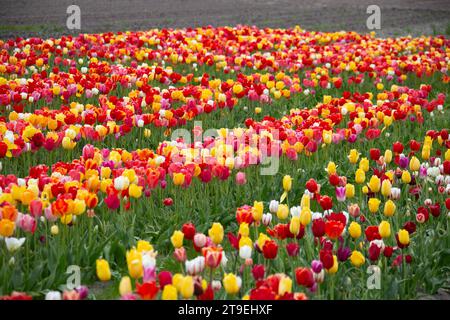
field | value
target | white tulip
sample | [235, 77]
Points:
[245, 252]
[14, 244]
[273, 206]
[53, 295]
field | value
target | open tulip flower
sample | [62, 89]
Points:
[163, 136]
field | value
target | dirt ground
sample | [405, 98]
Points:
[47, 18]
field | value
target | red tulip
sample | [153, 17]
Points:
[326, 202]
[397, 147]
[270, 249]
[36, 208]
[147, 290]
[311, 185]
[304, 277]
[375, 154]
[372, 233]
[334, 229]
[292, 249]
[188, 230]
[258, 271]
[326, 257]
[318, 227]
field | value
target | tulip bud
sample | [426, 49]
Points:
[103, 271]
[125, 286]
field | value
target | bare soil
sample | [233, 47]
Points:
[47, 18]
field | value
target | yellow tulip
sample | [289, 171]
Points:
[389, 208]
[360, 176]
[305, 216]
[125, 286]
[177, 239]
[178, 178]
[258, 210]
[384, 229]
[6, 228]
[305, 201]
[414, 164]
[354, 230]
[285, 286]
[364, 164]
[406, 177]
[374, 184]
[143, 246]
[135, 191]
[374, 204]
[349, 190]
[216, 233]
[287, 183]
[169, 292]
[331, 167]
[426, 152]
[353, 156]
[187, 287]
[283, 211]
[388, 156]
[103, 271]
[244, 230]
[386, 187]
[357, 258]
[231, 283]
[294, 225]
[403, 237]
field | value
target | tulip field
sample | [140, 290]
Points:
[224, 163]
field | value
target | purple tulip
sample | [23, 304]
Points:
[343, 253]
[340, 194]
[316, 266]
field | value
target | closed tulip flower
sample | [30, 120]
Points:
[349, 190]
[374, 184]
[331, 168]
[388, 156]
[374, 204]
[364, 164]
[6, 228]
[169, 292]
[360, 176]
[305, 216]
[294, 225]
[403, 237]
[282, 212]
[216, 233]
[186, 287]
[414, 164]
[287, 183]
[135, 191]
[258, 210]
[357, 259]
[125, 286]
[354, 230]
[285, 286]
[273, 206]
[178, 178]
[103, 271]
[384, 229]
[386, 187]
[270, 249]
[389, 208]
[231, 283]
[353, 156]
[177, 239]
[406, 177]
